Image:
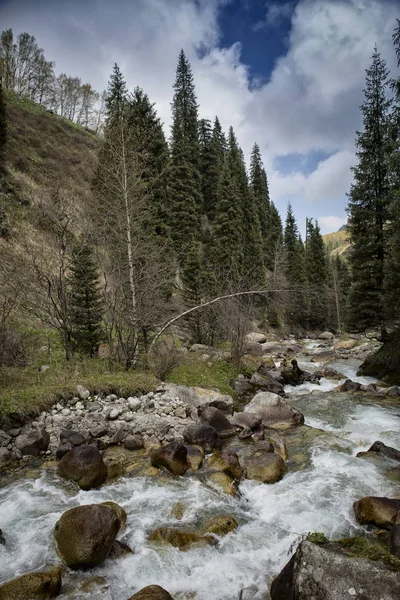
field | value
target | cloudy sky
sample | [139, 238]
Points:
[287, 74]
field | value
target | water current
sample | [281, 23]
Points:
[315, 495]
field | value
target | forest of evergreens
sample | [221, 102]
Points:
[174, 223]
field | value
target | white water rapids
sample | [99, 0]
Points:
[316, 497]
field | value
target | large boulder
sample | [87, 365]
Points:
[266, 382]
[226, 462]
[326, 335]
[151, 592]
[349, 386]
[33, 586]
[274, 411]
[328, 573]
[173, 457]
[213, 417]
[199, 397]
[203, 435]
[256, 338]
[32, 441]
[85, 466]
[325, 356]
[246, 423]
[266, 467]
[378, 511]
[85, 535]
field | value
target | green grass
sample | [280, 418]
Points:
[207, 374]
[24, 392]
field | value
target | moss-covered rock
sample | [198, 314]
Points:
[33, 586]
[185, 539]
[223, 482]
[266, 467]
[151, 592]
[226, 462]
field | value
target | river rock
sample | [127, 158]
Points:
[345, 344]
[85, 535]
[134, 442]
[119, 549]
[273, 348]
[326, 335]
[5, 438]
[224, 482]
[383, 450]
[185, 539]
[274, 411]
[75, 438]
[213, 417]
[242, 385]
[266, 467]
[202, 435]
[33, 586]
[195, 456]
[349, 386]
[32, 441]
[324, 356]
[151, 592]
[226, 462]
[256, 338]
[221, 525]
[199, 397]
[378, 511]
[98, 431]
[119, 512]
[82, 392]
[85, 466]
[327, 573]
[5, 457]
[173, 457]
[266, 383]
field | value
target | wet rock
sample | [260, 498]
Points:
[223, 482]
[324, 356]
[33, 586]
[5, 457]
[274, 411]
[349, 386]
[119, 549]
[327, 573]
[85, 466]
[151, 592]
[393, 392]
[394, 538]
[345, 344]
[202, 435]
[279, 446]
[195, 456]
[212, 417]
[184, 539]
[378, 511]
[119, 512]
[134, 442]
[266, 467]
[178, 510]
[85, 535]
[32, 441]
[226, 462]
[173, 457]
[383, 450]
[82, 392]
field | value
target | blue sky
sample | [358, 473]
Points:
[287, 74]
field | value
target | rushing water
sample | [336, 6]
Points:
[316, 497]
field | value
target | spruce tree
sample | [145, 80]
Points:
[368, 203]
[273, 242]
[295, 270]
[185, 178]
[116, 95]
[86, 302]
[316, 274]
[147, 131]
[259, 185]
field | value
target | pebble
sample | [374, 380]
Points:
[65, 412]
[114, 414]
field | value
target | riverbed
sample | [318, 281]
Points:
[315, 495]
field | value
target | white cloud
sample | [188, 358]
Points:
[331, 223]
[275, 14]
[310, 103]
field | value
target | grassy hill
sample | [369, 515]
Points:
[337, 242]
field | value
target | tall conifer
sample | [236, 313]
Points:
[368, 203]
[116, 94]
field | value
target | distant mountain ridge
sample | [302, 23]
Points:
[338, 242]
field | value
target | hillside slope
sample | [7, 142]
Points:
[45, 155]
[337, 242]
